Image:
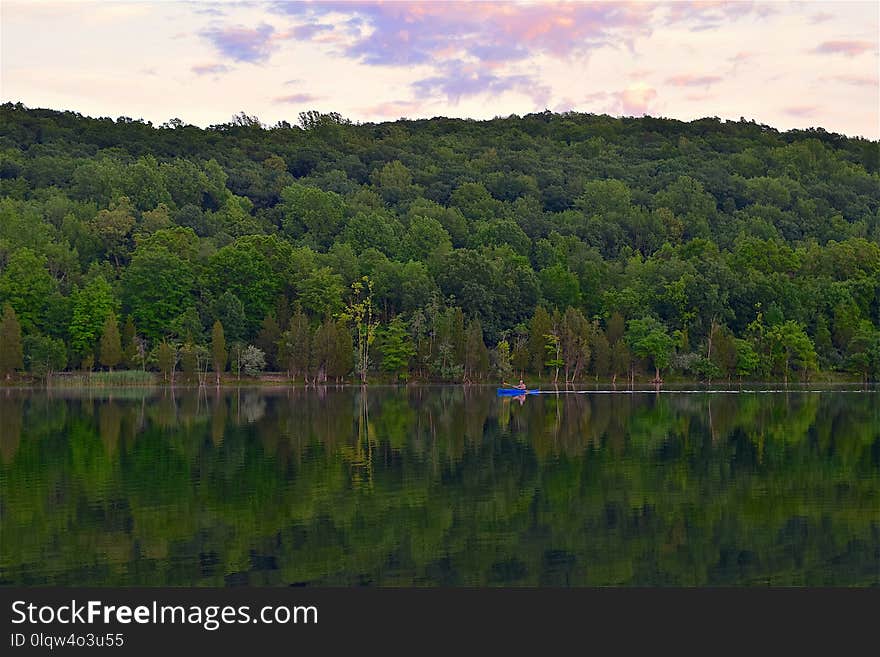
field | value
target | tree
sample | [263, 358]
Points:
[396, 347]
[11, 354]
[790, 345]
[267, 340]
[600, 350]
[167, 360]
[189, 361]
[218, 350]
[157, 284]
[131, 351]
[294, 347]
[360, 313]
[575, 343]
[44, 355]
[26, 285]
[747, 359]
[91, 307]
[649, 338]
[501, 360]
[476, 360]
[339, 364]
[253, 360]
[311, 211]
[620, 360]
[539, 326]
[110, 351]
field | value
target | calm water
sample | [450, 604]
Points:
[439, 486]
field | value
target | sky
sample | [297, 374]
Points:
[784, 64]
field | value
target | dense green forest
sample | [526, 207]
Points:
[558, 247]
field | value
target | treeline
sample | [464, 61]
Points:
[557, 246]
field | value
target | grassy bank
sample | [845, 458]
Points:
[124, 378]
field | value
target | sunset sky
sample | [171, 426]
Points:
[786, 64]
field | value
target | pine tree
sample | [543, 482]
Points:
[539, 327]
[343, 352]
[601, 351]
[167, 359]
[396, 347]
[323, 345]
[294, 347]
[267, 340]
[131, 345]
[189, 361]
[218, 350]
[11, 355]
[476, 353]
[110, 348]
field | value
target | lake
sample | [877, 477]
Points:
[439, 486]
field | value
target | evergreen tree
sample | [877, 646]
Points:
[476, 363]
[167, 360]
[110, 350]
[218, 350]
[132, 345]
[323, 346]
[267, 340]
[11, 354]
[341, 358]
[294, 348]
[601, 351]
[575, 343]
[189, 361]
[396, 347]
[539, 327]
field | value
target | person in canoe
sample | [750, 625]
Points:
[519, 386]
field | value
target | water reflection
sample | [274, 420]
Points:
[438, 486]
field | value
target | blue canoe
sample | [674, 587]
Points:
[515, 392]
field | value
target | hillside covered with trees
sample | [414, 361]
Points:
[561, 247]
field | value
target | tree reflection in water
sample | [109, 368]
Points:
[438, 486]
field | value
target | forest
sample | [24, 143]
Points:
[553, 247]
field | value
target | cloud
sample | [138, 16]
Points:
[209, 69]
[459, 80]
[407, 33]
[801, 110]
[636, 99]
[848, 48]
[296, 98]
[690, 80]
[856, 80]
[392, 109]
[242, 44]
[308, 30]
[821, 17]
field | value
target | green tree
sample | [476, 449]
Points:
[539, 326]
[44, 355]
[26, 285]
[110, 351]
[311, 211]
[790, 345]
[294, 347]
[166, 358]
[218, 350]
[649, 338]
[360, 313]
[267, 340]
[91, 306]
[476, 360]
[11, 353]
[396, 347]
